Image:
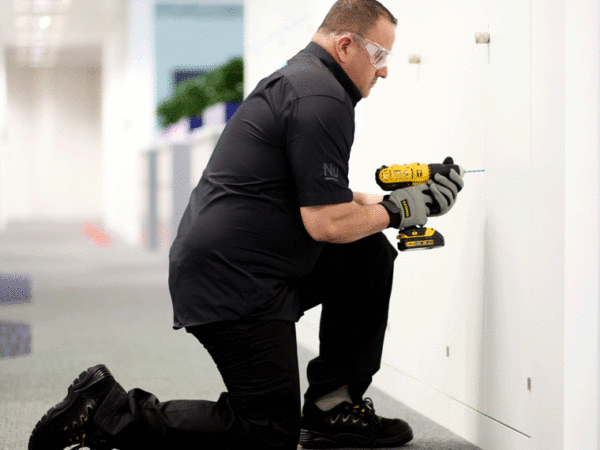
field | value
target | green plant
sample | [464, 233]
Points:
[192, 97]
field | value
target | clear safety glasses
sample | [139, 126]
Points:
[380, 57]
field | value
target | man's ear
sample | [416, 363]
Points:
[341, 47]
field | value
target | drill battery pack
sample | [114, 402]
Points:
[419, 238]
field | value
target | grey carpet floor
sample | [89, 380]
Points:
[91, 304]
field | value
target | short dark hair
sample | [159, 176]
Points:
[356, 16]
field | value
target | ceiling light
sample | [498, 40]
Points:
[38, 27]
[45, 22]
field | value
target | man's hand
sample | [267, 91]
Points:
[444, 191]
[407, 207]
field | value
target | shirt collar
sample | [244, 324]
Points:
[339, 73]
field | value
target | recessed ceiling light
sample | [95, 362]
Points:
[45, 22]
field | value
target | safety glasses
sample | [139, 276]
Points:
[380, 57]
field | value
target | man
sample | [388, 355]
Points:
[257, 246]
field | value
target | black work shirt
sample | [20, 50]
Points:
[241, 243]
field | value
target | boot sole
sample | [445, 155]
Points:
[315, 440]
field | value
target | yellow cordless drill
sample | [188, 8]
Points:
[390, 178]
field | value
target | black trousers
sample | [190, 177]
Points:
[259, 364]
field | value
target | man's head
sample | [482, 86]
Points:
[357, 33]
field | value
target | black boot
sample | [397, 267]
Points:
[70, 422]
[352, 426]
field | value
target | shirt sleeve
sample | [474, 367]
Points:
[319, 139]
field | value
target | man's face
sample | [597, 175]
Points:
[359, 67]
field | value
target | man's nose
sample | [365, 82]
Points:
[383, 72]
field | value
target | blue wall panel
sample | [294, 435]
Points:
[195, 37]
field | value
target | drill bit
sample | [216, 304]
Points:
[480, 170]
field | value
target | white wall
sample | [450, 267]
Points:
[582, 256]
[53, 146]
[473, 299]
[269, 28]
[548, 157]
[512, 296]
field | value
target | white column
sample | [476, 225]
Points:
[114, 54]
[582, 244]
[129, 116]
[140, 79]
[3, 133]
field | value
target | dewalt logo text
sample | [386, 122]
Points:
[406, 208]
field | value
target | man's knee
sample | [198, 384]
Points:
[377, 253]
[370, 260]
[372, 250]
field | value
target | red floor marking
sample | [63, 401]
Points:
[96, 234]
